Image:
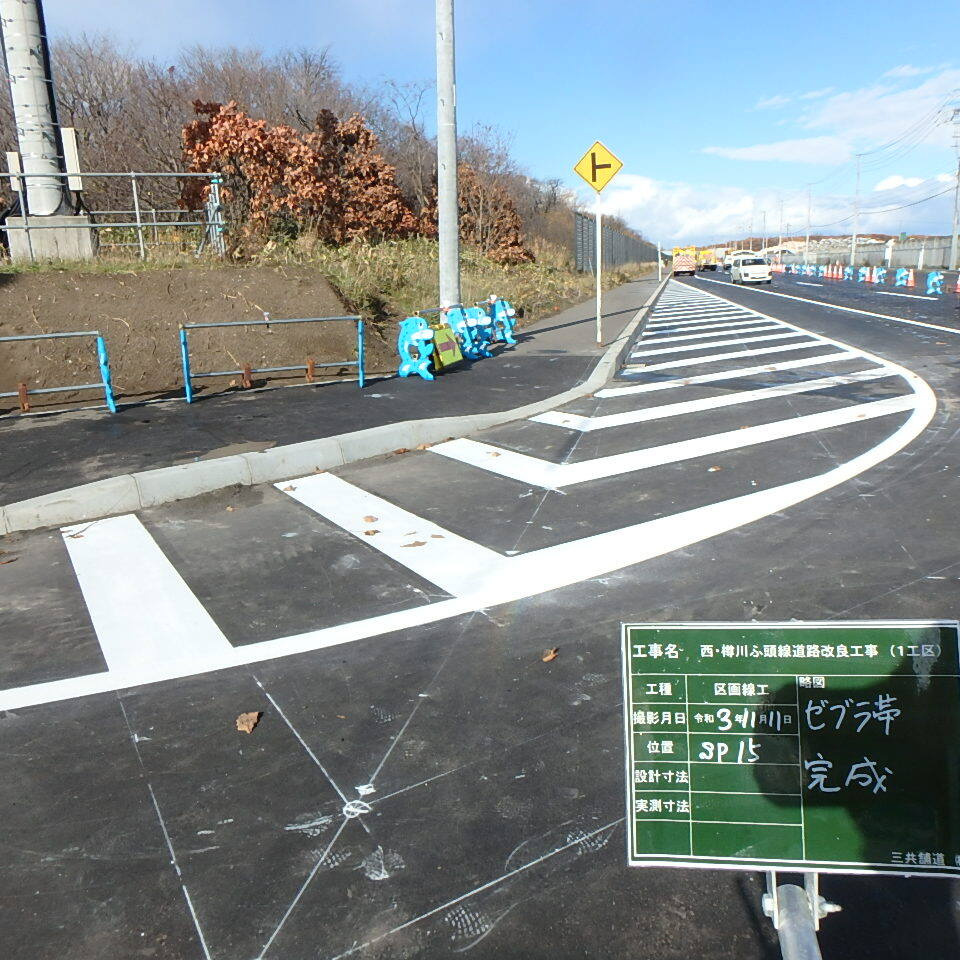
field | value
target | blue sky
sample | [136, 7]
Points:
[719, 111]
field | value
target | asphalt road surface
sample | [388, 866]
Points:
[421, 782]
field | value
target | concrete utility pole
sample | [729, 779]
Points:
[955, 238]
[42, 189]
[856, 219]
[806, 245]
[34, 113]
[448, 212]
[780, 251]
[763, 232]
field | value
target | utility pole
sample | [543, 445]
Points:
[955, 238]
[856, 219]
[806, 246]
[34, 111]
[448, 212]
[763, 231]
[780, 251]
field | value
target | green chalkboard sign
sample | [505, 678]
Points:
[794, 746]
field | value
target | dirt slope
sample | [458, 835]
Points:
[138, 313]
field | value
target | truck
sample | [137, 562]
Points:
[707, 259]
[684, 261]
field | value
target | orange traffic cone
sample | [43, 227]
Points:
[911, 282]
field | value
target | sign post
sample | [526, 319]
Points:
[598, 166]
[795, 747]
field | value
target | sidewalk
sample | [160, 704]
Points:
[49, 453]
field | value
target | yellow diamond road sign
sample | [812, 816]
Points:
[598, 166]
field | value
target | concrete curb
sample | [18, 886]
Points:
[149, 488]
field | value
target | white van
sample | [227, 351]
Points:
[750, 270]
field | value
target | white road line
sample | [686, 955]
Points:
[635, 369]
[702, 313]
[432, 552]
[553, 476]
[750, 328]
[835, 306]
[912, 296]
[685, 327]
[143, 612]
[573, 421]
[609, 392]
[790, 335]
[802, 283]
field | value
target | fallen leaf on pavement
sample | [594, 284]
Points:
[229, 509]
[416, 543]
[11, 560]
[423, 446]
[493, 453]
[436, 536]
[247, 721]
[369, 519]
[401, 450]
[551, 654]
[289, 487]
[370, 533]
[75, 536]
[713, 469]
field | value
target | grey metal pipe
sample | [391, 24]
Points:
[31, 90]
[798, 936]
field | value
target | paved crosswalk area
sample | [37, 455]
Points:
[718, 417]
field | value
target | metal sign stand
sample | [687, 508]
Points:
[796, 913]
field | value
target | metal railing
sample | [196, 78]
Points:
[619, 248]
[23, 392]
[210, 218]
[246, 372]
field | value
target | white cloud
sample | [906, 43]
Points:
[872, 115]
[774, 101]
[895, 180]
[855, 121]
[708, 213]
[804, 150]
[905, 70]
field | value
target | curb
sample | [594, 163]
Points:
[149, 488]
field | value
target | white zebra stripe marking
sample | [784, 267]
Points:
[584, 424]
[673, 383]
[144, 613]
[751, 327]
[790, 335]
[433, 553]
[639, 368]
[553, 476]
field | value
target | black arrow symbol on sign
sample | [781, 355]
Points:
[597, 166]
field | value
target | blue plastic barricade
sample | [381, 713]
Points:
[821, 270]
[415, 346]
[863, 275]
[504, 319]
[103, 365]
[934, 282]
[880, 275]
[900, 278]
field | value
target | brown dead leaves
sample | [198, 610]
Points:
[247, 721]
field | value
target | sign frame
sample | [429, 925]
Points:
[592, 154]
[809, 866]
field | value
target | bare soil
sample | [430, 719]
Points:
[138, 313]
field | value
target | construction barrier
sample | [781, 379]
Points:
[23, 392]
[310, 366]
[458, 333]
